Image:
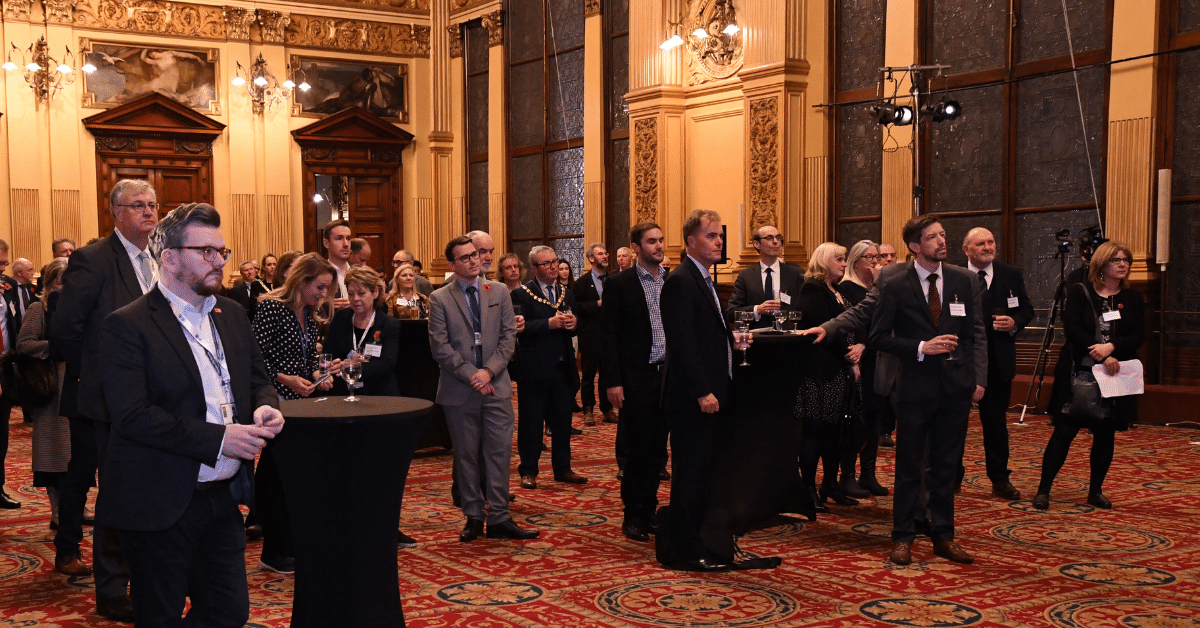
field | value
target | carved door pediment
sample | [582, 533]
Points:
[353, 135]
[157, 116]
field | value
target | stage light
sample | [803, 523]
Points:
[944, 110]
[901, 115]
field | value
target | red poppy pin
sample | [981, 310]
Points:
[216, 310]
[4, 286]
[487, 287]
[377, 336]
[1120, 305]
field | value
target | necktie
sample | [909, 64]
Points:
[550, 293]
[935, 300]
[147, 278]
[769, 285]
[983, 285]
[473, 302]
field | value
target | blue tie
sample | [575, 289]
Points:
[476, 322]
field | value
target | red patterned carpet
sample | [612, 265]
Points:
[1136, 566]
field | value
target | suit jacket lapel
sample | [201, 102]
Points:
[705, 290]
[164, 317]
[125, 267]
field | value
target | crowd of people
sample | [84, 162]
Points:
[166, 385]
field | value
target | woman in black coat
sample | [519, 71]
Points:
[862, 270]
[823, 402]
[366, 329]
[1105, 323]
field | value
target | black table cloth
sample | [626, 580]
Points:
[417, 376]
[343, 467]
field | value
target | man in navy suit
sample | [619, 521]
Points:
[698, 384]
[589, 296]
[191, 407]
[771, 274]
[548, 377]
[930, 318]
[10, 328]
[100, 278]
[1006, 311]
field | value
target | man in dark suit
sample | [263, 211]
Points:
[249, 290]
[60, 247]
[631, 375]
[697, 387]
[930, 318]
[768, 286]
[100, 278]
[1006, 311]
[589, 295]
[11, 327]
[547, 382]
[191, 407]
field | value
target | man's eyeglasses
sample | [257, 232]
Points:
[397, 263]
[873, 258]
[463, 259]
[210, 254]
[769, 238]
[546, 263]
[141, 207]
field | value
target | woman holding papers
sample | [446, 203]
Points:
[1105, 324]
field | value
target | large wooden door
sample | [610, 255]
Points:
[368, 203]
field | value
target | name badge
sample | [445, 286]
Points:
[1014, 302]
[227, 413]
[1111, 315]
[958, 309]
[373, 350]
[785, 298]
[478, 339]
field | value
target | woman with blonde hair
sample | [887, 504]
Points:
[365, 329]
[826, 396]
[1105, 323]
[404, 299]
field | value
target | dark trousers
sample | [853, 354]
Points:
[5, 414]
[645, 439]
[692, 436]
[73, 489]
[271, 508]
[590, 366]
[938, 429]
[201, 557]
[820, 443]
[542, 402]
[1103, 444]
[109, 568]
[993, 416]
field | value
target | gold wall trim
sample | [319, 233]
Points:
[1129, 188]
[272, 25]
[409, 7]
[17, 9]
[26, 223]
[152, 16]
[58, 11]
[645, 170]
[238, 22]
[328, 33]
[494, 23]
[241, 230]
[764, 162]
[64, 215]
[456, 40]
[462, 6]
[278, 237]
[591, 7]
[816, 203]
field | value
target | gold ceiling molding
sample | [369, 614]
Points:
[152, 16]
[273, 24]
[591, 7]
[397, 6]
[456, 40]
[645, 172]
[17, 9]
[238, 22]
[462, 6]
[494, 23]
[58, 11]
[407, 40]
[764, 162]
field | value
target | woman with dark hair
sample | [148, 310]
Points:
[283, 266]
[862, 270]
[51, 431]
[267, 267]
[826, 397]
[566, 276]
[1105, 323]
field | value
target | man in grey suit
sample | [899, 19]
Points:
[473, 333]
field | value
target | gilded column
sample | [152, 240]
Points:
[64, 140]
[497, 130]
[450, 221]
[593, 126]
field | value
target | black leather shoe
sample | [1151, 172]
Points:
[818, 502]
[664, 475]
[278, 564]
[1041, 501]
[116, 609]
[1099, 501]
[254, 532]
[702, 564]
[404, 540]
[508, 530]
[635, 530]
[1005, 490]
[471, 531]
[576, 431]
[886, 441]
[831, 490]
[7, 502]
[872, 485]
[851, 487]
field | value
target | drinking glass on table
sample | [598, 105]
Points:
[741, 336]
[324, 363]
[351, 371]
[779, 315]
[794, 317]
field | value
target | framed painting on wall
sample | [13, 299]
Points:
[125, 72]
[337, 84]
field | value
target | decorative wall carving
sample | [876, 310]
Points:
[764, 162]
[645, 175]
[238, 22]
[17, 9]
[719, 55]
[357, 36]
[409, 5]
[183, 146]
[273, 24]
[314, 153]
[58, 11]
[591, 7]
[494, 23]
[456, 40]
[386, 155]
[462, 5]
[152, 16]
[115, 144]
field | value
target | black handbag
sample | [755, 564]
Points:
[31, 381]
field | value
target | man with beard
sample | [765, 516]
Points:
[589, 296]
[191, 407]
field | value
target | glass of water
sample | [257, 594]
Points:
[351, 371]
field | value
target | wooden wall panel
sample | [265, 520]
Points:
[26, 225]
[1129, 192]
[64, 216]
[278, 237]
[241, 231]
[815, 227]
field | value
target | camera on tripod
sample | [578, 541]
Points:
[1089, 240]
[1064, 242]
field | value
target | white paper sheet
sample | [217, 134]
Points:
[1129, 381]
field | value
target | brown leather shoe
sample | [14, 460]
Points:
[570, 477]
[72, 567]
[529, 482]
[951, 551]
[1005, 490]
[610, 416]
[901, 553]
[588, 417]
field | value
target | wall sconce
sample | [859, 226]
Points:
[265, 90]
[711, 33]
[44, 75]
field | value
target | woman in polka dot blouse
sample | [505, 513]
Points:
[287, 326]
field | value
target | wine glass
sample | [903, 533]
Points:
[950, 356]
[742, 334]
[779, 315]
[351, 371]
[794, 317]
